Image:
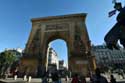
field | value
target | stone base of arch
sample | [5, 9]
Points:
[28, 66]
[82, 65]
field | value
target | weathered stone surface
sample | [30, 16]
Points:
[70, 28]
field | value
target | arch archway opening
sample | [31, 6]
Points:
[57, 56]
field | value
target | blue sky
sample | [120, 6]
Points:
[15, 15]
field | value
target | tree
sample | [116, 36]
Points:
[6, 60]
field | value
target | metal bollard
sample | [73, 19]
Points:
[25, 78]
[15, 77]
[29, 79]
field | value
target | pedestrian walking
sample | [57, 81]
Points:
[66, 79]
[44, 80]
[112, 79]
[82, 79]
[98, 78]
[75, 79]
[55, 77]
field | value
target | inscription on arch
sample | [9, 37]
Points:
[57, 27]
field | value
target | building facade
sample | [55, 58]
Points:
[108, 58]
[52, 60]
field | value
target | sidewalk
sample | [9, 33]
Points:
[38, 80]
[19, 80]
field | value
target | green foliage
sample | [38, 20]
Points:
[7, 57]
[6, 60]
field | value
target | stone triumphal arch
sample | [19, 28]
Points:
[70, 28]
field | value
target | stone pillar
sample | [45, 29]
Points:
[78, 64]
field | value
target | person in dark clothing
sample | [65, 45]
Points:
[55, 77]
[44, 79]
[98, 78]
[117, 32]
[82, 79]
[112, 79]
[75, 79]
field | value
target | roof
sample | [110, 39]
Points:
[59, 17]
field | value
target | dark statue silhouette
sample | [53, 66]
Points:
[118, 30]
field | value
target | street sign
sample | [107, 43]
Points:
[111, 13]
